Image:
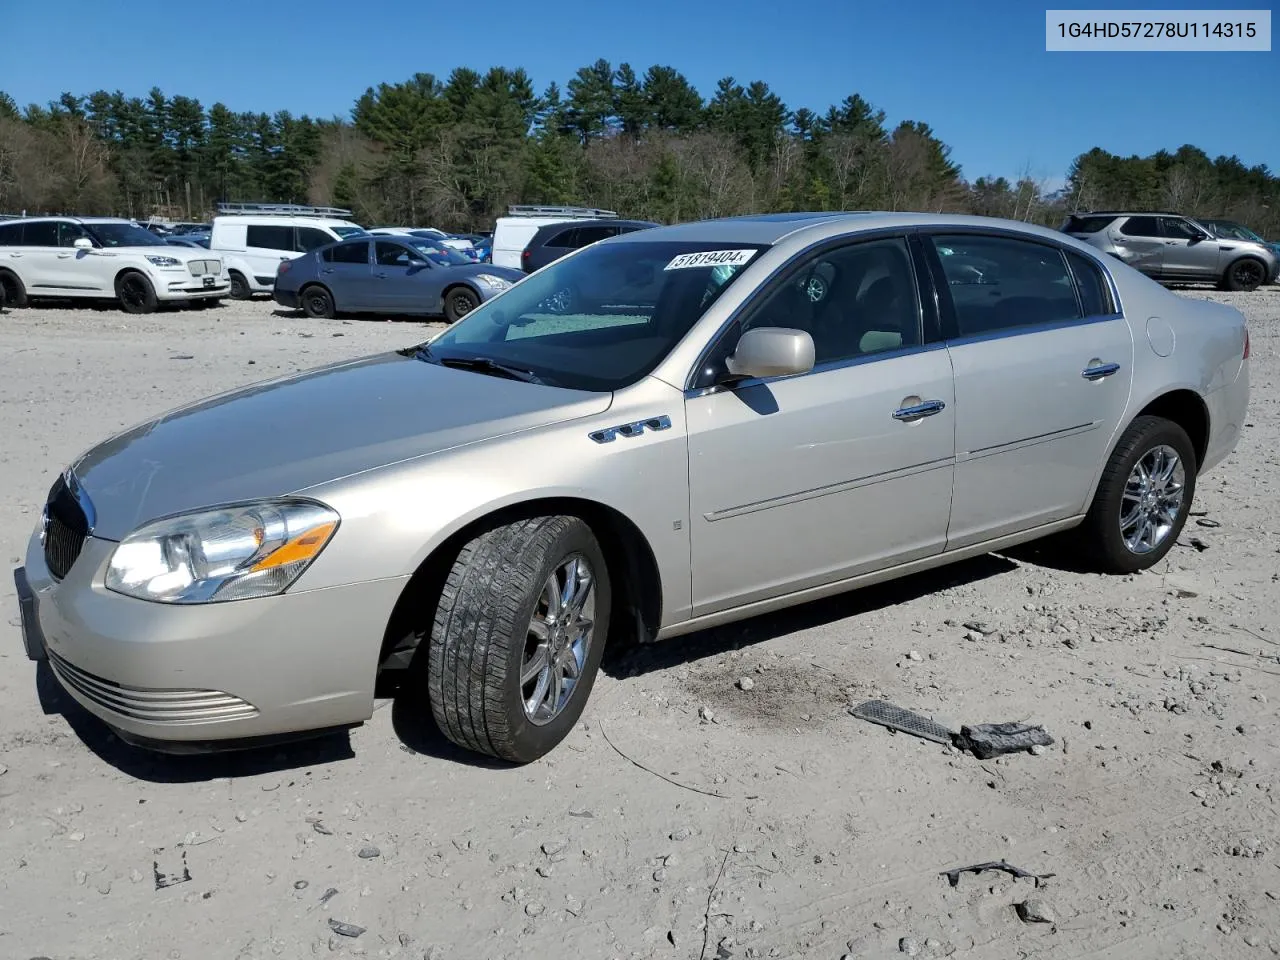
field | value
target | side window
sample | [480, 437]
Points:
[41, 233]
[1095, 295]
[309, 238]
[388, 254]
[1141, 227]
[10, 234]
[589, 235]
[1175, 228]
[357, 251]
[855, 300]
[999, 283]
[269, 237]
[69, 233]
[565, 239]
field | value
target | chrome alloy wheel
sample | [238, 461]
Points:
[558, 640]
[1152, 499]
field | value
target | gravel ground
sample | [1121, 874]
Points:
[687, 817]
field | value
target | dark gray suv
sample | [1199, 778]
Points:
[1172, 248]
[556, 240]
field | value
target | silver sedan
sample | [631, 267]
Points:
[673, 429]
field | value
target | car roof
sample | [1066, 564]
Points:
[72, 219]
[770, 228]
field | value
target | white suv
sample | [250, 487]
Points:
[254, 244]
[103, 258]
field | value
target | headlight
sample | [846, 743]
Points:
[489, 280]
[164, 261]
[234, 553]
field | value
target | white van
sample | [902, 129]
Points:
[252, 239]
[512, 233]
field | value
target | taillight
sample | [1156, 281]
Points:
[526, 255]
[283, 268]
[1246, 343]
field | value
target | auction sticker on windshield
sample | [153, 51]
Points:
[710, 258]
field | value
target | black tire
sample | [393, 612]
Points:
[458, 302]
[135, 293]
[1245, 275]
[1100, 536]
[483, 631]
[12, 291]
[317, 302]
[240, 289]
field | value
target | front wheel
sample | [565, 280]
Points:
[1244, 275]
[518, 634]
[1143, 498]
[135, 293]
[458, 302]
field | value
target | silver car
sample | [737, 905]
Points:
[658, 433]
[1177, 249]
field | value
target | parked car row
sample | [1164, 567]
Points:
[1173, 248]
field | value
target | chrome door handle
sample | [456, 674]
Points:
[1099, 371]
[919, 410]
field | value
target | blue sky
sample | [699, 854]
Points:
[977, 72]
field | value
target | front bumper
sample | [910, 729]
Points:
[187, 674]
[182, 286]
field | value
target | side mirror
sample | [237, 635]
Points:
[82, 243]
[771, 352]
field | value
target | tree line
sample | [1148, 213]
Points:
[455, 153]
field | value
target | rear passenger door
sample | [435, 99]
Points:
[345, 270]
[1043, 363]
[1142, 240]
[265, 246]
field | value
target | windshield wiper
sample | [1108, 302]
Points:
[482, 365]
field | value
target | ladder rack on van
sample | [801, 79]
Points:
[586, 213]
[284, 210]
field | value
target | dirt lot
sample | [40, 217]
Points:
[779, 827]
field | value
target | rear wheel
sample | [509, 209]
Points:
[12, 291]
[135, 293]
[1244, 275]
[1143, 498]
[518, 635]
[240, 289]
[317, 302]
[458, 302]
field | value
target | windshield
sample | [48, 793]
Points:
[123, 235]
[347, 232]
[437, 253]
[602, 318]
[1237, 231]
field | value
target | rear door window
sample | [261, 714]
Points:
[1079, 224]
[10, 234]
[41, 233]
[1000, 283]
[1095, 294]
[565, 239]
[356, 251]
[1141, 227]
[269, 237]
[589, 235]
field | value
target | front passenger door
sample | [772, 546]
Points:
[1188, 253]
[802, 481]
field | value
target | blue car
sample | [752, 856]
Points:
[388, 275]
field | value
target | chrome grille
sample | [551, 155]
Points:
[154, 706]
[65, 528]
[199, 268]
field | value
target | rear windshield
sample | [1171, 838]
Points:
[602, 318]
[1078, 224]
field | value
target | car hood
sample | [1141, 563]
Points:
[282, 436]
[475, 269]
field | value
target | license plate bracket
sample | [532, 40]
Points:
[32, 637]
[209, 281]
